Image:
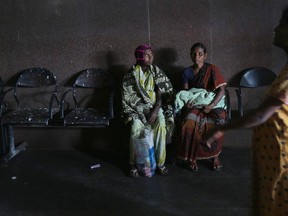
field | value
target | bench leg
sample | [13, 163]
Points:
[3, 141]
[13, 150]
[239, 99]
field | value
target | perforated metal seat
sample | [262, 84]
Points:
[35, 95]
[37, 80]
[99, 111]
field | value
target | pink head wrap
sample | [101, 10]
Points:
[139, 53]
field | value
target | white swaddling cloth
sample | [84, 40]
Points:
[199, 97]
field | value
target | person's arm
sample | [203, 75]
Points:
[186, 77]
[255, 118]
[218, 96]
[154, 112]
[185, 86]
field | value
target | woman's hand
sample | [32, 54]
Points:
[154, 112]
[189, 105]
[152, 116]
[207, 108]
[211, 136]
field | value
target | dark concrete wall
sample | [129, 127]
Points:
[67, 36]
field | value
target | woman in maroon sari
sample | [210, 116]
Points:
[195, 121]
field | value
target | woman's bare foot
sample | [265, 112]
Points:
[216, 164]
[193, 166]
[133, 172]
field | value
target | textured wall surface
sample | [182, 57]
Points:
[67, 36]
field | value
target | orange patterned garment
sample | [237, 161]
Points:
[270, 156]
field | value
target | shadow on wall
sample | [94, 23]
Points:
[165, 58]
[112, 137]
[97, 142]
[117, 72]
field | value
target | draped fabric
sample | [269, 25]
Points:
[198, 96]
[135, 98]
[138, 94]
[194, 122]
[208, 77]
[270, 156]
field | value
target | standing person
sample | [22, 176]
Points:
[142, 91]
[270, 139]
[196, 120]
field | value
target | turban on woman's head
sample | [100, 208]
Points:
[139, 53]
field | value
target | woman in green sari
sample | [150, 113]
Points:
[143, 88]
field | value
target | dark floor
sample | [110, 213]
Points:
[40, 182]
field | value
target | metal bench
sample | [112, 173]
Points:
[94, 110]
[35, 103]
[87, 103]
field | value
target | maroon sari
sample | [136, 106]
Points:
[195, 122]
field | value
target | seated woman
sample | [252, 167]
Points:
[196, 119]
[142, 90]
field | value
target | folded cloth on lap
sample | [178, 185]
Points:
[198, 96]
